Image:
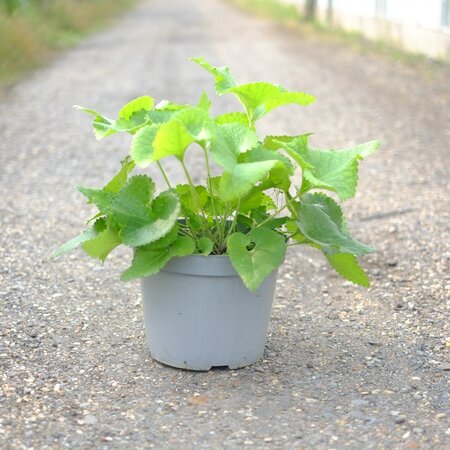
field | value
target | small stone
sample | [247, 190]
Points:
[417, 430]
[400, 419]
[447, 432]
[444, 366]
[395, 413]
[90, 419]
[310, 365]
[440, 415]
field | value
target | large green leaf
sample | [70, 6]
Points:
[321, 223]
[171, 139]
[260, 97]
[148, 261]
[257, 98]
[238, 182]
[102, 244]
[229, 141]
[142, 220]
[256, 255]
[347, 266]
[142, 145]
[335, 170]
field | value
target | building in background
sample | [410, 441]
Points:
[420, 26]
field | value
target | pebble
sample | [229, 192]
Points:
[90, 419]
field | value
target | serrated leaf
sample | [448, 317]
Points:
[224, 79]
[348, 267]
[144, 103]
[142, 145]
[205, 245]
[99, 197]
[171, 139]
[257, 98]
[229, 141]
[102, 244]
[238, 182]
[328, 206]
[233, 117]
[322, 228]
[120, 179]
[256, 255]
[260, 97]
[334, 170]
[148, 261]
[142, 220]
[132, 203]
[193, 203]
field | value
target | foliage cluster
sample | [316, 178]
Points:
[267, 196]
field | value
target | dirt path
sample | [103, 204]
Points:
[345, 367]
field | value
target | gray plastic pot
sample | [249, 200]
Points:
[198, 314]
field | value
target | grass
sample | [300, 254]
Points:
[289, 15]
[33, 31]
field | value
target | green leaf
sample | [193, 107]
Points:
[238, 182]
[257, 98]
[205, 245]
[321, 224]
[193, 203]
[144, 103]
[102, 244]
[120, 179]
[142, 145]
[103, 126]
[233, 117]
[144, 221]
[334, 170]
[171, 139]
[75, 242]
[224, 79]
[347, 266]
[229, 141]
[148, 261]
[204, 102]
[260, 98]
[256, 255]
[99, 197]
[131, 117]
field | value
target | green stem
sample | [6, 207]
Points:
[282, 208]
[194, 193]
[164, 174]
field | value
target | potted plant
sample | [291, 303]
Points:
[208, 254]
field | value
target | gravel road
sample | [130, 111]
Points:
[344, 367]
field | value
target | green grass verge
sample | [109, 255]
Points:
[32, 31]
[288, 14]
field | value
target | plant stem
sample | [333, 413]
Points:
[195, 195]
[164, 174]
[208, 183]
[282, 208]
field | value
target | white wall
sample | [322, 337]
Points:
[412, 25]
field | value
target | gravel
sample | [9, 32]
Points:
[344, 367]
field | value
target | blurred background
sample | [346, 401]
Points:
[31, 31]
